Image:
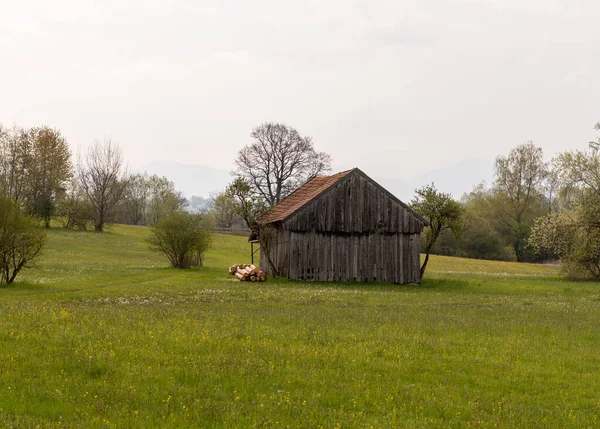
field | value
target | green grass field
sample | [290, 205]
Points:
[103, 334]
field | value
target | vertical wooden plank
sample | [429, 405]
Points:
[342, 257]
[293, 256]
[373, 252]
[382, 258]
[394, 248]
[347, 273]
[310, 267]
[380, 253]
[342, 207]
[383, 251]
[291, 261]
[328, 261]
[322, 258]
[372, 260]
[388, 259]
[338, 257]
[331, 272]
[325, 259]
[365, 206]
[355, 265]
[303, 256]
[395, 215]
[406, 259]
[401, 267]
[375, 261]
[410, 259]
[360, 204]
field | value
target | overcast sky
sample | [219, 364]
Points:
[393, 87]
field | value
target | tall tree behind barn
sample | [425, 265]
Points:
[345, 227]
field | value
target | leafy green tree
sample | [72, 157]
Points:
[574, 234]
[480, 241]
[49, 172]
[35, 166]
[74, 210]
[225, 209]
[163, 199]
[580, 171]
[519, 189]
[183, 237]
[484, 235]
[148, 199]
[248, 204]
[16, 159]
[441, 211]
[21, 240]
[574, 238]
[135, 200]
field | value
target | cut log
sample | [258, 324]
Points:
[247, 272]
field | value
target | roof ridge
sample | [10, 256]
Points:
[315, 187]
[287, 206]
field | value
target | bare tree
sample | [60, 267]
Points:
[102, 176]
[279, 160]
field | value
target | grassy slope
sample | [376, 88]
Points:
[103, 334]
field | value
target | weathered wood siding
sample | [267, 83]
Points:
[353, 231]
[354, 205]
[347, 257]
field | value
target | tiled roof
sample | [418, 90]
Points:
[301, 196]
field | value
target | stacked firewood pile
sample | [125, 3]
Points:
[247, 273]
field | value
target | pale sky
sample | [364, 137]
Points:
[393, 87]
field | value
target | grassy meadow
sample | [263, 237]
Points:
[103, 334]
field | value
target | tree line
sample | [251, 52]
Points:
[38, 173]
[39, 181]
[534, 211]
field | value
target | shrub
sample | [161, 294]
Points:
[21, 240]
[574, 238]
[74, 210]
[481, 242]
[183, 238]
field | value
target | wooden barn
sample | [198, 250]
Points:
[345, 227]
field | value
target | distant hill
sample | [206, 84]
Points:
[455, 179]
[201, 180]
